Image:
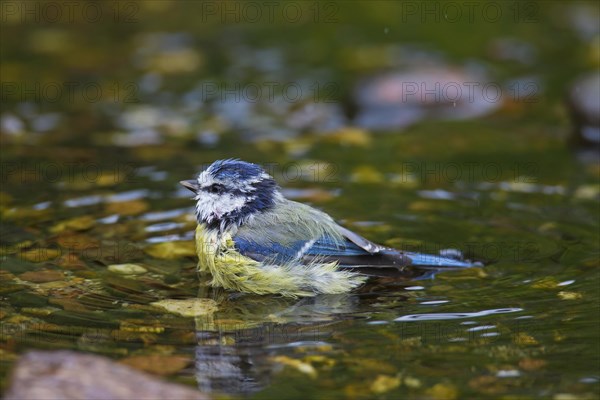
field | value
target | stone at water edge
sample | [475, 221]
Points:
[72, 376]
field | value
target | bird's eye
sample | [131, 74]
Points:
[216, 188]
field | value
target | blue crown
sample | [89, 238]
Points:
[233, 168]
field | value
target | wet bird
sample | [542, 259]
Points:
[251, 239]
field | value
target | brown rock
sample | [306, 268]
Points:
[532, 364]
[71, 262]
[76, 242]
[71, 375]
[68, 304]
[6, 276]
[157, 364]
[40, 255]
[42, 276]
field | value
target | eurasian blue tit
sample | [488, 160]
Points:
[251, 239]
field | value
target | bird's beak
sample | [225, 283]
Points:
[191, 185]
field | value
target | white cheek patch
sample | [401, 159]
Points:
[212, 206]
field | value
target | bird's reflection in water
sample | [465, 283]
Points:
[237, 344]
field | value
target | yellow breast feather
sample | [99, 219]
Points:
[231, 270]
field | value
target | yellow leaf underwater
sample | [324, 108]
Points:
[443, 391]
[133, 207]
[4, 250]
[299, 365]
[545, 283]
[564, 295]
[40, 255]
[127, 269]
[188, 307]
[75, 224]
[5, 199]
[171, 250]
[385, 383]
[76, 241]
[367, 174]
[523, 338]
[350, 137]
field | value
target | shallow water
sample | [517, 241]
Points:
[91, 184]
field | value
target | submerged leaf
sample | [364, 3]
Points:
[77, 224]
[545, 283]
[385, 383]
[367, 174]
[171, 250]
[564, 295]
[40, 255]
[532, 364]
[412, 382]
[188, 307]
[5, 199]
[350, 137]
[133, 207]
[76, 241]
[24, 214]
[42, 276]
[299, 365]
[70, 261]
[443, 391]
[487, 384]
[523, 338]
[127, 269]
[4, 250]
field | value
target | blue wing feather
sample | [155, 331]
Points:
[324, 246]
[328, 246]
[348, 253]
[272, 250]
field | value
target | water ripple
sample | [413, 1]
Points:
[163, 226]
[443, 316]
[128, 196]
[171, 238]
[160, 215]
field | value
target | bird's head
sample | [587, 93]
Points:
[229, 192]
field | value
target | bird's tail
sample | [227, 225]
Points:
[442, 261]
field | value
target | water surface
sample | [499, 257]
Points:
[89, 184]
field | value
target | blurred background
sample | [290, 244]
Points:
[422, 125]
